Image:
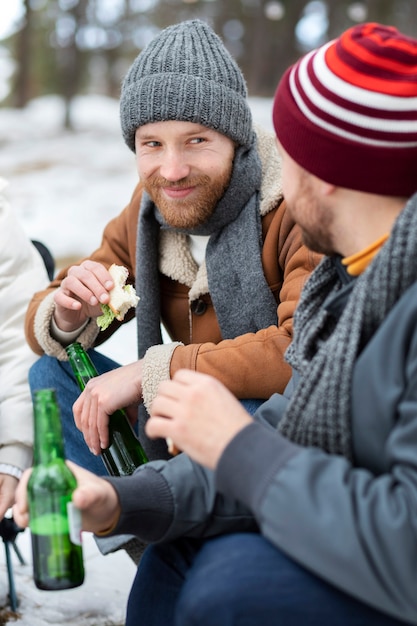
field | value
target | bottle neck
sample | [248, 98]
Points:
[48, 444]
[81, 364]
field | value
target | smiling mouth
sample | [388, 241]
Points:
[178, 192]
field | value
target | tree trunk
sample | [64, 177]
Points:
[21, 92]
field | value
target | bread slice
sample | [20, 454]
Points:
[122, 296]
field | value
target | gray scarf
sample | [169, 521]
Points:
[324, 352]
[241, 296]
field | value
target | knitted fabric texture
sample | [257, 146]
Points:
[324, 353]
[186, 74]
[347, 112]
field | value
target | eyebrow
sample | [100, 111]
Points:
[147, 135]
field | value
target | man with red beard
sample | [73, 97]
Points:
[207, 241]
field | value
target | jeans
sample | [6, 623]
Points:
[241, 580]
[48, 372]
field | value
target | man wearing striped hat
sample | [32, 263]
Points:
[306, 514]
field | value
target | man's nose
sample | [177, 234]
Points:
[174, 166]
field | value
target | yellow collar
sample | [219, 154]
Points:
[357, 263]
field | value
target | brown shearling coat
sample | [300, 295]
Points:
[251, 365]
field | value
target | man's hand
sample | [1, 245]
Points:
[198, 414]
[85, 287]
[8, 486]
[102, 396]
[95, 497]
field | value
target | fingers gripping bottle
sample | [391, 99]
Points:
[125, 452]
[54, 523]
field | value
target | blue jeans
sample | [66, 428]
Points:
[48, 372]
[237, 580]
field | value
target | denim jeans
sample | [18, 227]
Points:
[237, 580]
[48, 372]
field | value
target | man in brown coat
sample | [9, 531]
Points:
[206, 239]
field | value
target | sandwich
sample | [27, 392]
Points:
[122, 298]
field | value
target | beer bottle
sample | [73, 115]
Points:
[55, 524]
[125, 452]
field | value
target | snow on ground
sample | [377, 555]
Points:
[65, 187]
[100, 601]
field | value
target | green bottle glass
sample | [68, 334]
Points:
[125, 452]
[55, 524]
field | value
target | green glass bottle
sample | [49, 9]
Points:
[55, 524]
[125, 452]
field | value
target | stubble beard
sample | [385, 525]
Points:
[318, 237]
[314, 220]
[188, 213]
[319, 241]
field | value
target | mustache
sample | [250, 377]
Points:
[156, 182]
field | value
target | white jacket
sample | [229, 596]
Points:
[22, 272]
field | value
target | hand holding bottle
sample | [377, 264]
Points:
[94, 497]
[102, 396]
[85, 287]
[120, 449]
[55, 523]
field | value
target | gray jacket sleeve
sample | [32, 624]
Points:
[164, 500]
[169, 499]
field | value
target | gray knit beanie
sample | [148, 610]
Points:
[186, 74]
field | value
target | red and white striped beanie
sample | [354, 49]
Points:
[347, 112]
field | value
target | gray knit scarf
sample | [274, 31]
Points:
[324, 352]
[241, 296]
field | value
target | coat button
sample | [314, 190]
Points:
[198, 307]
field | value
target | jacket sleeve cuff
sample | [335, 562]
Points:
[156, 368]
[17, 455]
[147, 505]
[42, 327]
[250, 461]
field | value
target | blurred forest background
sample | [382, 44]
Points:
[74, 47]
